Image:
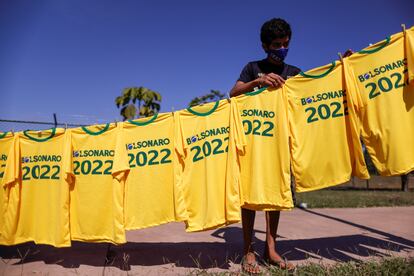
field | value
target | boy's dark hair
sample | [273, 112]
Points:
[274, 28]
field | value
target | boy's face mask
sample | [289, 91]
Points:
[278, 55]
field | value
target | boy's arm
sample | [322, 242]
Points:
[271, 79]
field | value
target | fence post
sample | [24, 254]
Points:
[404, 182]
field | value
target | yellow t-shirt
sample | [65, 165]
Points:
[322, 148]
[97, 184]
[151, 197]
[207, 140]
[378, 79]
[409, 48]
[6, 140]
[265, 167]
[38, 203]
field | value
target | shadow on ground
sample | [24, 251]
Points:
[207, 254]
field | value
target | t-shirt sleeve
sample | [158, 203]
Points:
[355, 108]
[67, 158]
[352, 92]
[12, 170]
[121, 164]
[246, 74]
[179, 155]
[409, 46]
[236, 145]
[237, 128]
[179, 143]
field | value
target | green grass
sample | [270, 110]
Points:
[387, 266]
[355, 198]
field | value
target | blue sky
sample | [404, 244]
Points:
[73, 58]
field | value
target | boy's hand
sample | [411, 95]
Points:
[272, 80]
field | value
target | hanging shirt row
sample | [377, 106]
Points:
[200, 165]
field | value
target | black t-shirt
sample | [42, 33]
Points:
[254, 69]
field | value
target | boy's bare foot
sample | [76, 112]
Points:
[273, 258]
[250, 265]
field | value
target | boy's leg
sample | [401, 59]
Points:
[249, 263]
[272, 223]
[248, 217]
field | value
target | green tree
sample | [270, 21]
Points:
[136, 102]
[214, 95]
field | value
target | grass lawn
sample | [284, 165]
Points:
[387, 266]
[355, 198]
[380, 192]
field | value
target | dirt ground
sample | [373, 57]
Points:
[313, 235]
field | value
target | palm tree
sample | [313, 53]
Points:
[138, 102]
[214, 95]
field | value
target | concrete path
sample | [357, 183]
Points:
[313, 235]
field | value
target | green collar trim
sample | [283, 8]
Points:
[387, 41]
[98, 132]
[252, 93]
[39, 139]
[144, 123]
[204, 114]
[303, 74]
[3, 135]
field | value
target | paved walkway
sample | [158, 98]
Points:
[312, 235]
